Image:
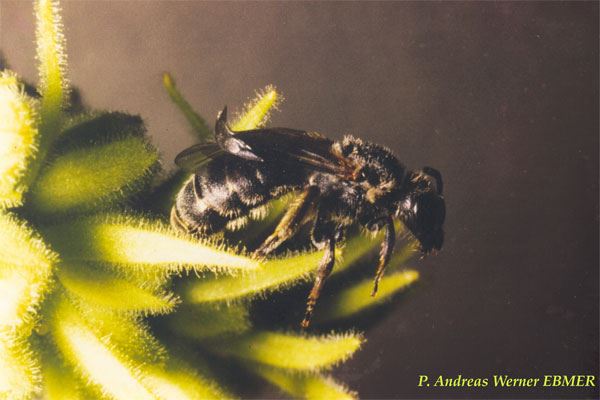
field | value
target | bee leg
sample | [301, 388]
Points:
[291, 221]
[323, 272]
[387, 247]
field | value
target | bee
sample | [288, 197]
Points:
[337, 183]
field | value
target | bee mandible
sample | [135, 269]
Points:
[338, 183]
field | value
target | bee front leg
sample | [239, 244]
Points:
[387, 247]
[325, 268]
[291, 221]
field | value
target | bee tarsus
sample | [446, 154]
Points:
[325, 268]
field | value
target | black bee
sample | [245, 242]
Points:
[339, 182]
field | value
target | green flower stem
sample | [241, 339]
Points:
[51, 55]
[53, 85]
[199, 126]
[292, 351]
[305, 385]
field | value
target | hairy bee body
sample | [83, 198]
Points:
[229, 190]
[336, 183]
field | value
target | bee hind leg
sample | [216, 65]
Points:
[325, 268]
[290, 222]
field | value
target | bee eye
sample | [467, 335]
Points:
[347, 150]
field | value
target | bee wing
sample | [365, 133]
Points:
[197, 155]
[280, 146]
[288, 146]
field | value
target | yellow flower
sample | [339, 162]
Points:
[86, 259]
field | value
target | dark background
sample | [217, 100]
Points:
[501, 97]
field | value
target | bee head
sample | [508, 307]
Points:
[377, 170]
[423, 209]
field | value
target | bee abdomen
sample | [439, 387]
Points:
[226, 191]
[191, 214]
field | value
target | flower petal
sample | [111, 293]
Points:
[18, 139]
[178, 381]
[26, 264]
[135, 242]
[357, 298]
[98, 127]
[98, 358]
[292, 351]
[256, 113]
[99, 288]
[20, 367]
[204, 321]
[94, 178]
[306, 385]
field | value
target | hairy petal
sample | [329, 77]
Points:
[100, 288]
[95, 177]
[305, 385]
[208, 320]
[257, 112]
[26, 264]
[18, 139]
[132, 242]
[59, 382]
[19, 366]
[272, 275]
[292, 351]
[97, 358]
[357, 298]
[96, 128]
[177, 381]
